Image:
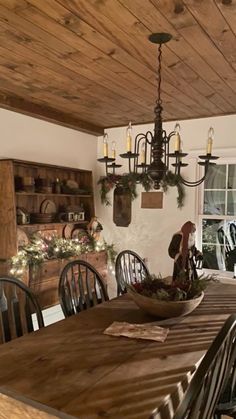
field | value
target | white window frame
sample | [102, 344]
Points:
[201, 216]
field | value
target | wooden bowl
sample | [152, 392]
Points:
[165, 309]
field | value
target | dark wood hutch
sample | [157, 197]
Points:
[44, 281]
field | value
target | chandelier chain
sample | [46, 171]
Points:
[159, 101]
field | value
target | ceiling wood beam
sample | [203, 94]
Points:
[18, 104]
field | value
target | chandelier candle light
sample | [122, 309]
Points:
[151, 150]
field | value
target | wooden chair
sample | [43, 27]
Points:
[129, 268]
[17, 304]
[209, 380]
[80, 287]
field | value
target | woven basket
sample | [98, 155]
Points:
[165, 309]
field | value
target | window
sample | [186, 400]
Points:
[218, 218]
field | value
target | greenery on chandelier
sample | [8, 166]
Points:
[129, 182]
[41, 249]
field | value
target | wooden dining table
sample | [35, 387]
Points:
[74, 368]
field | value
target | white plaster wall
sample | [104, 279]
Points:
[26, 138]
[150, 231]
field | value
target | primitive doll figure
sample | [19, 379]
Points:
[94, 228]
[184, 252]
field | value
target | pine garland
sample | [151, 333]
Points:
[129, 182]
[41, 249]
[173, 180]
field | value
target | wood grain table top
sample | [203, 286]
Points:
[73, 367]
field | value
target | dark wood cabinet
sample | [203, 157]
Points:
[19, 191]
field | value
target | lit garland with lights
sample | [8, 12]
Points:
[41, 250]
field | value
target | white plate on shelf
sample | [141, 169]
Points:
[67, 231]
[48, 207]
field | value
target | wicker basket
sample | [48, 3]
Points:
[165, 309]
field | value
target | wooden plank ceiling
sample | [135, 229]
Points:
[88, 64]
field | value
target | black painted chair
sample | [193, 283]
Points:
[226, 406]
[209, 381]
[129, 268]
[80, 287]
[17, 304]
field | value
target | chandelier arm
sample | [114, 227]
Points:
[139, 137]
[197, 182]
[191, 184]
[149, 134]
[171, 134]
[166, 138]
[145, 152]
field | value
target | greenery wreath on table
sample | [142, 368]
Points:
[129, 182]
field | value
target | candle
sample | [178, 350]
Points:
[177, 142]
[210, 140]
[129, 143]
[209, 145]
[235, 270]
[113, 149]
[105, 149]
[105, 145]
[129, 138]
[177, 137]
[142, 155]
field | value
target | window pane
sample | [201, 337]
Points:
[231, 205]
[232, 176]
[230, 244]
[209, 230]
[212, 256]
[214, 202]
[216, 177]
[213, 247]
[219, 244]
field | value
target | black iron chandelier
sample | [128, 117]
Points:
[151, 150]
